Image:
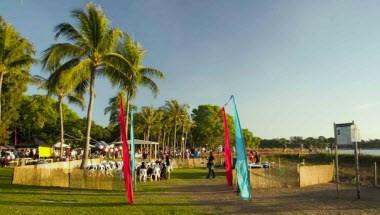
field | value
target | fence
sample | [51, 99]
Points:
[290, 175]
[59, 174]
[196, 162]
[315, 174]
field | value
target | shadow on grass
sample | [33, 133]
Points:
[92, 204]
[197, 173]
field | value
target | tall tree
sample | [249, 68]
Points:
[16, 55]
[89, 49]
[131, 73]
[175, 111]
[208, 126]
[149, 117]
[114, 106]
[62, 85]
[251, 141]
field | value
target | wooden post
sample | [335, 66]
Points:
[357, 170]
[336, 163]
[155, 152]
[375, 173]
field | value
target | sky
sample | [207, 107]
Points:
[295, 67]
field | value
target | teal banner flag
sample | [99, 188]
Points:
[241, 166]
[132, 141]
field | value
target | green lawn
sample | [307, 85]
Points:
[164, 197]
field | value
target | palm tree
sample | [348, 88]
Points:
[89, 49]
[159, 124]
[176, 111]
[113, 107]
[60, 85]
[16, 54]
[149, 116]
[164, 125]
[131, 73]
[186, 124]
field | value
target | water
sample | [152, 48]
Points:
[373, 152]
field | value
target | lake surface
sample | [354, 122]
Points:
[374, 152]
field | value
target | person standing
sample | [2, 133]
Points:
[210, 166]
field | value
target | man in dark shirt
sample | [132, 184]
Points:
[210, 165]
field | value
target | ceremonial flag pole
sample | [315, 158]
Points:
[241, 166]
[227, 149]
[126, 157]
[133, 161]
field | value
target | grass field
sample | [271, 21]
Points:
[151, 198]
[188, 192]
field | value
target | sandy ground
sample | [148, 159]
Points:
[215, 197]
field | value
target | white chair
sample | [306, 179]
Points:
[157, 172]
[143, 175]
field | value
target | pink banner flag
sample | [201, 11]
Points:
[126, 158]
[227, 150]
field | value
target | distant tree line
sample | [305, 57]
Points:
[297, 142]
[172, 125]
[310, 142]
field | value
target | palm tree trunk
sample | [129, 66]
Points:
[182, 141]
[168, 145]
[62, 129]
[148, 134]
[89, 121]
[175, 134]
[159, 134]
[163, 141]
[186, 138]
[1, 87]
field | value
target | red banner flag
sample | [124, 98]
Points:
[126, 159]
[227, 150]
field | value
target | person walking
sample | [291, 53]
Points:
[210, 166]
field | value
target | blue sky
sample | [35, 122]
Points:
[295, 67]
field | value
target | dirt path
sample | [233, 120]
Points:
[214, 197]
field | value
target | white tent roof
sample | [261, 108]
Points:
[139, 142]
[58, 145]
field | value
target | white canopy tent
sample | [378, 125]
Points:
[58, 145]
[144, 144]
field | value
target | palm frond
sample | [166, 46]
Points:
[152, 73]
[147, 82]
[77, 99]
[67, 31]
[54, 54]
[21, 62]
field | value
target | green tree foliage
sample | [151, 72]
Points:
[88, 49]
[13, 88]
[61, 86]
[296, 142]
[39, 120]
[16, 57]
[129, 74]
[208, 126]
[175, 112]
[251, 141]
